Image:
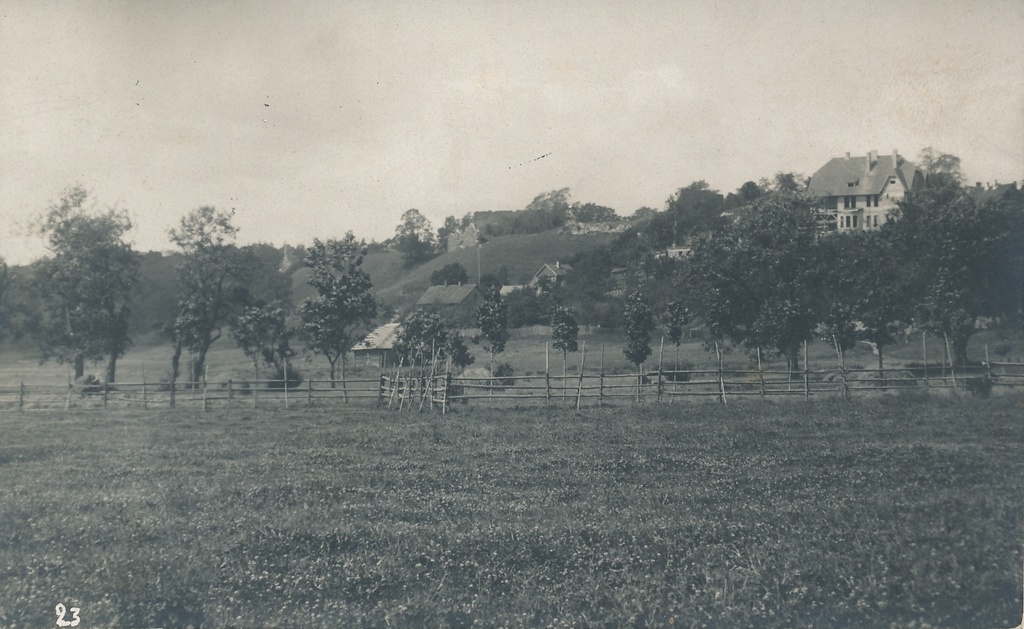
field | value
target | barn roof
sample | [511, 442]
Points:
[446, 295]
[381, 338]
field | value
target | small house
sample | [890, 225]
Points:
[378, 347]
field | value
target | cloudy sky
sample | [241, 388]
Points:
[314, 118]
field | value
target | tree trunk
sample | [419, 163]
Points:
[111, 368]
[881, 368]
[175, 362]
[79, 366]
[793, 361]
[959, 342]
[332, 371]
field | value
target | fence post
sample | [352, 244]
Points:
[583, 362]
[924, 352]
[661, 363]
[380, 390]
[447, 385]
[952, 369]
[145, 400]
[988, 364]
[67, 402]
[231, 389]
[174, 385]
[547, 375]
[721, 376]
[255, 385]
[842, 368]
[206, 373]
[760, 372]
[807, 382]
[104, 395]
[21, 396]
[600, 384]
[309, 393]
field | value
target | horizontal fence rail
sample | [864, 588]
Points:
[437, 388]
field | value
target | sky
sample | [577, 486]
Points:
[314, 118]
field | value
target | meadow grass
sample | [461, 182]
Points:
[903, 511]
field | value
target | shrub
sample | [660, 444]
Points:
[504, 373]
[277, 380]
[981, 385]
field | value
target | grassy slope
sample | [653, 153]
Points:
[871, 514]
[523, 255]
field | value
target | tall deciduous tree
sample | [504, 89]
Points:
[414, 238]
[211, 284]
[963, 260]
[565, 331]
[756, 282]
[88, 281]
[492, 317]
[638, 321]
[262, 335]
[344, 299]
[424, 336]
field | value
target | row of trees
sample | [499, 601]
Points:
[773, 281]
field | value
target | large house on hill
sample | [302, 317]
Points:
[860, 193]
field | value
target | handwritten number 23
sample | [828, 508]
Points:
[61, 610]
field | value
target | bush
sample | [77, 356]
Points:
[981, 386]
[277, 380]
[504, 373]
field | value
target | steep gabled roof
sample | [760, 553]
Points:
[557, 269]
[446, 295]
[837, 175]
[381, 338]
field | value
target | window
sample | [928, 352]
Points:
[876, 220]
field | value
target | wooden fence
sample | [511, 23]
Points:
[426, 389]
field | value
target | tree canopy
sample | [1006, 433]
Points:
[88, 283]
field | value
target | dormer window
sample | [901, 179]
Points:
[892, 180]
[851, 184]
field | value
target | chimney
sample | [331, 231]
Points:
[895, 158]
[872, 158]
[977, 184]
[847, 154]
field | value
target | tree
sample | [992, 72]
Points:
[591, 213]
[261, 334]
[211, 284]
[565, 331]
[453, 273]
[6, 316]
[492, 317]
[963, 261]
[638, 321]
[450, 226]
[695, 209]
[757, 281]
[414, 238]
[423, 336]
[89, 282]
[940, 169]
[677, 317]
[344, 299]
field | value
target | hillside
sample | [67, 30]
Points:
[522, 255]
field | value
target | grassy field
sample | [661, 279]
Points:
[897, 512]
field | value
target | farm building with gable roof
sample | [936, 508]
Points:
[860, 193]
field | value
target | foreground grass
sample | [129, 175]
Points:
[896, 512]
